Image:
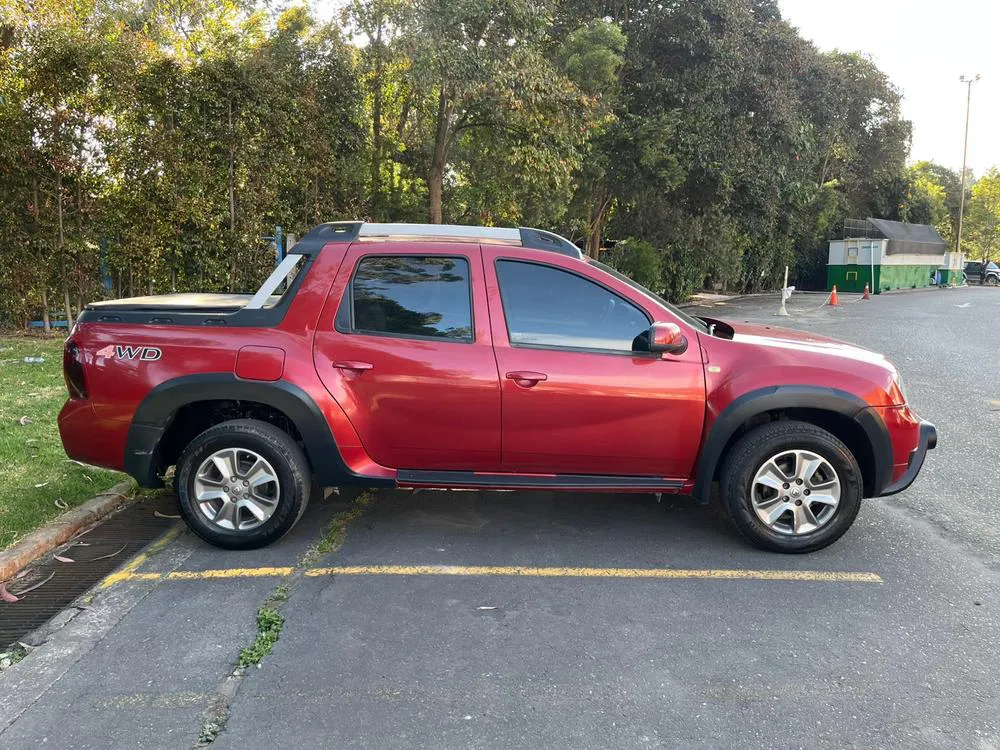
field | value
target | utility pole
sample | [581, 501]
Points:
[968, 81]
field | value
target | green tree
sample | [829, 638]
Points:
[982, 227]
[479, 69]
[926, 201]
[951, 182]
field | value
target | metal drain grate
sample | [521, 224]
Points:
[134, 527]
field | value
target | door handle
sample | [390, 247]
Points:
[354, 365]
[526, 378]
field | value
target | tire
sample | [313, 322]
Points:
[272, 474]
[793, 530]
[991, 280]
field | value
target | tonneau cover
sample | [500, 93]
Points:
[194, 302]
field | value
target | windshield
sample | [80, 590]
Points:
[689, 319]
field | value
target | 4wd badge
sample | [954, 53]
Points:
[145, 353]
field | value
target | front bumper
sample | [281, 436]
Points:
[927, 441]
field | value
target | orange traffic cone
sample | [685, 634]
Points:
[833, 297]
[866, 294]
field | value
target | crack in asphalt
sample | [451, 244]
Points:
[216, 715]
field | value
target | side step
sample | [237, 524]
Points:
[501, 481]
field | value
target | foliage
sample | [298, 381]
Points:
[982, 227]
[269, 626]
[151, 147]
[926, 201]
[638, 260]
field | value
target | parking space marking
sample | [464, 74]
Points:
[132, 565]
[504, 570]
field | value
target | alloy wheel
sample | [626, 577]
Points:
[237, 489]
[795, 492]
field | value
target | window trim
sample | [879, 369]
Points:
[348, 299]
[568, 348]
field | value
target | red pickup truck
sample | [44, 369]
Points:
[393, 355]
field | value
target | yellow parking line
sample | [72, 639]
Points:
[128, 570]
[499, 570]
[195, 575]
[503, 570]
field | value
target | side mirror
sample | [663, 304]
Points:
[667, 337]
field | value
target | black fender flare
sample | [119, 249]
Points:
[777, 397]
[157, 410]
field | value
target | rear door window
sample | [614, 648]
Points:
[412, 296]
[548, 307]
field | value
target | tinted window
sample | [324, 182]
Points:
[545, 306]
[411, 295]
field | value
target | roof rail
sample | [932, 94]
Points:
[349, 231]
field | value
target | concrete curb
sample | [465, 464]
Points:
[63, 528]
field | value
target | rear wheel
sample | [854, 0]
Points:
[242, 484]
[791, 487]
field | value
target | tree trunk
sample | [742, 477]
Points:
[69, 307]
[435, 176]
[377, 121]
[46, 325]
[232, 200]
[597, 217]
[35, 209]
[62, 251]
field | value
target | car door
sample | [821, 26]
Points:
[404, 346]
[576, 399]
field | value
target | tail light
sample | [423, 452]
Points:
[73, 370]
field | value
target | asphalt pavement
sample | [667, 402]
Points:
[575, 621]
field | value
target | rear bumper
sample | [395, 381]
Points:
[90, 438]
[927, 441]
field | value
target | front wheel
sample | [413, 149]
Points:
[242, 484]
[791, 487]
[991, 280]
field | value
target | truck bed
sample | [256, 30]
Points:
[190, 302]
[188, 309]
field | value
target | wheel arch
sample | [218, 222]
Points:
[146, 449]
[839, 412]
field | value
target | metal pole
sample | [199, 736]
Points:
[965, 150]
[784, 293]
[871, 258]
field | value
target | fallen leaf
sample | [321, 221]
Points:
[163, 515]
[40, 583]
[105, 557]
[5, 595]
[61, 504]
[24, 420]
[62, 559]
[40, 485]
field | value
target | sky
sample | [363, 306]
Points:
[923, 46]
